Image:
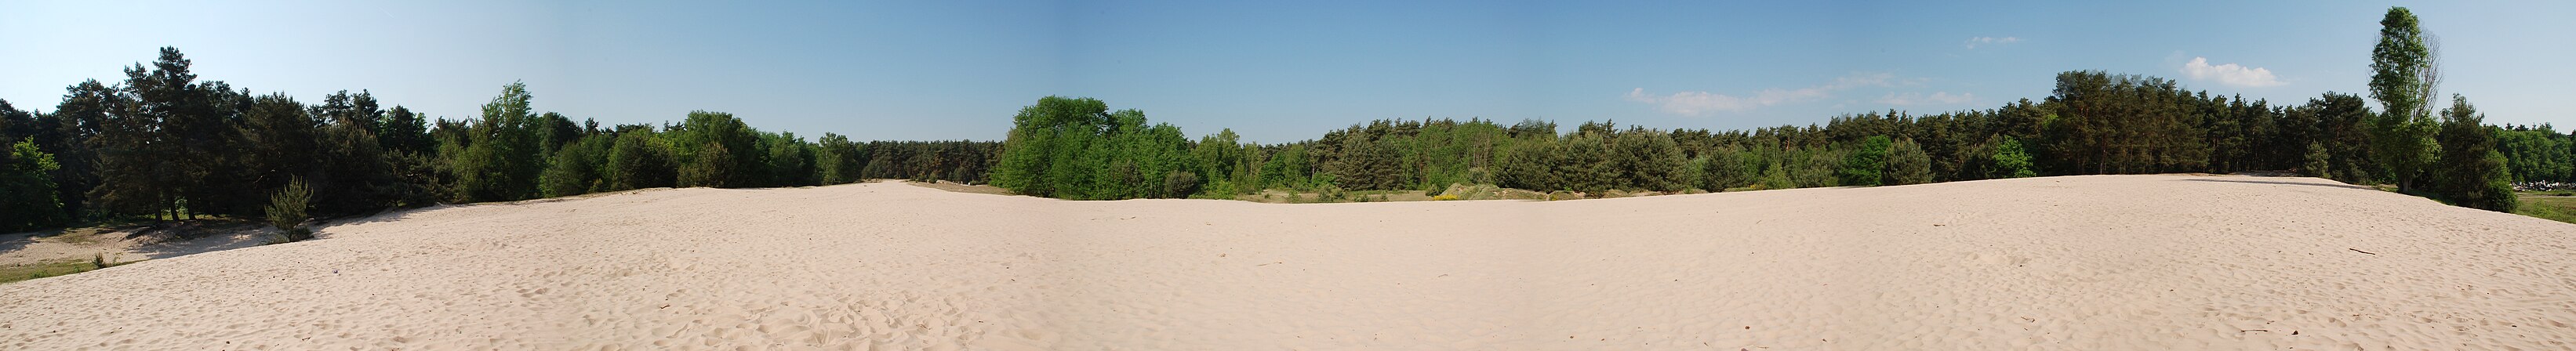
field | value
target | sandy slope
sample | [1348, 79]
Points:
[2095, 262]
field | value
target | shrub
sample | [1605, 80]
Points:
[1180, 184]
[286, 210]
[2317, 164]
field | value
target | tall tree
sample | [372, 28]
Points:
[280, 142]
[1908, 164]
[27, 188]
[717, 150]
[2401, 137]
[1041, 155]
[405, 132]
[2470, 172]
[1867, 165]
[503, 157]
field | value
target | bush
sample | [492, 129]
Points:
[2317, 163]
[286, 210]
[1180, 184]
[2011, 161]
[1908, 164]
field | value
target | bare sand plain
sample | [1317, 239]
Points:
[2091, 262]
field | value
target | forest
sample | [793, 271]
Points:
[2093, 122]
[163, 144]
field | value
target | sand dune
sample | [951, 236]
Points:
[2091, 262]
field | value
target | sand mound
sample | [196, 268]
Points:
[2094, 262]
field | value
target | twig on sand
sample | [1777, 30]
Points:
[2359, 250]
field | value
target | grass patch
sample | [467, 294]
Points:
[2561, 209]
[12, 274]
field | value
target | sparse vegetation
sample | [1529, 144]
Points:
[11, 274]
[286, 211]
[2561, 209]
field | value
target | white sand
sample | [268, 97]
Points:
[2094, 262]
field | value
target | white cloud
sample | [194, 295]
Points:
[1697, 103]
[1974, 42]
[2230, 74]
[1937, 98]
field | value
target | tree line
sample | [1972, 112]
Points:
[163, 144]
[2093, 122]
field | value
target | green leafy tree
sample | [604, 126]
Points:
[790, 160]
[405, 132]
[1867, 165]
[639, 160]
[1729, 167]
[504, 156]
[717, 150]
[2402, 72]
[2536, 155]
[838, 159]
[2011, 161]
[577, 168]
[1042, 154]
[27, 188]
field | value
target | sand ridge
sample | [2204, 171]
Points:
[2087, 262]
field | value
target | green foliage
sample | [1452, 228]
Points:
[1042, 155]
[790, 160]
[1071, 148]
[1867, 165]
[2340, 122]
[2537, 154]
[837, 160]
[1907, 164]
[1729, 167]
[719, 151]
[1816, 168]
[2317, 162]
[2470, 172]
[2562, 209]
[27, 188]
[2402, 79]
[2124, 124]
[1368, 164]
[286, 210]
[1180, 184]
[578, 168]
[2011, 161]
[713, 166]
[505, 153]
[638, 160]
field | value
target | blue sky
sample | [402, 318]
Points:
[1273, 72]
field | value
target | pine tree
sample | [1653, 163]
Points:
[1908, 164]
[2470, 172]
